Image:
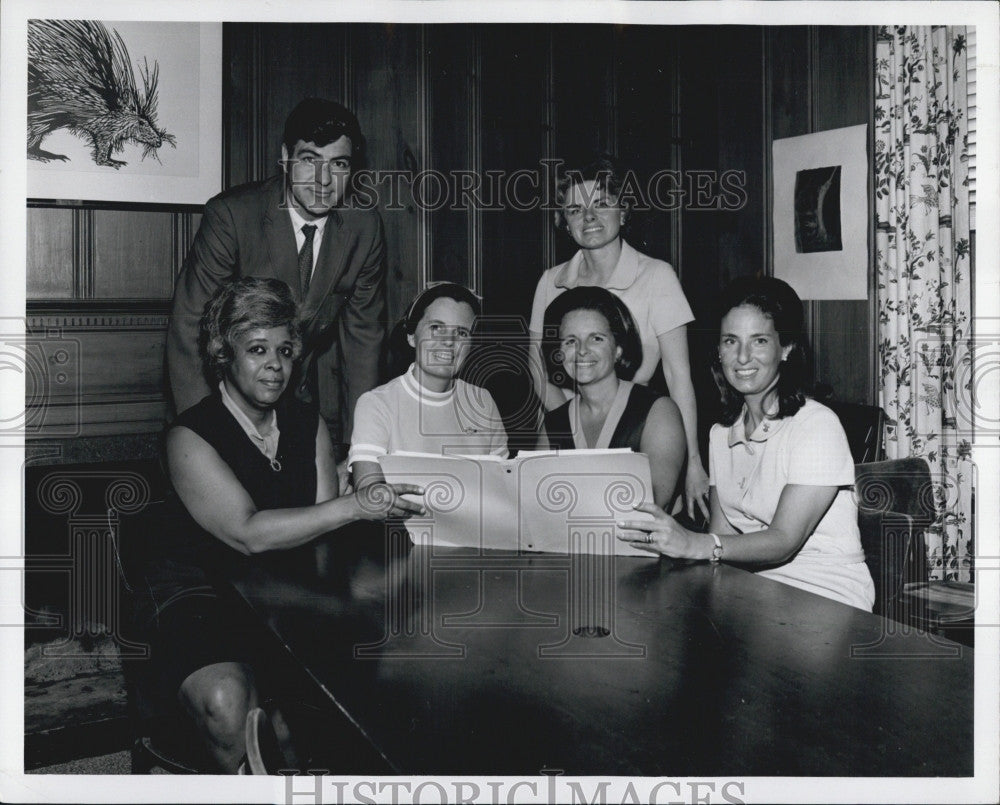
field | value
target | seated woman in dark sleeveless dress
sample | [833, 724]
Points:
[597, 353]
[254, 471]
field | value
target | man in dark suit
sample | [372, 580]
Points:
[295, 227]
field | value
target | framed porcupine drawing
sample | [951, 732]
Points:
[124, 111]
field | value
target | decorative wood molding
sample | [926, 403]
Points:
[83, 255]
[347, 73]
[94, 315]
[82, 322]
[874, 373]
[474, 148]
[548, 240]
[176, 243]
[768, 123]
[115, 416]
[114, 206]
[256, 124]
[674, 224]
[425, 235]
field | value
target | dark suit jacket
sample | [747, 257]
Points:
[245, 232]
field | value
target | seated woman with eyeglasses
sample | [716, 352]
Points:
[254, 472]
[596, 355]
[780, 467]
[427, 409]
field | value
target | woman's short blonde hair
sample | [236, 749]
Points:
[240, 305]
[603, 169]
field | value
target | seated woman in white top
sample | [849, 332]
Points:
[427, 409]
[780, 467]
[596, 354]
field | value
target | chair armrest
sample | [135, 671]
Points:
[941, 602]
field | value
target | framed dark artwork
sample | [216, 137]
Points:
[820, 213]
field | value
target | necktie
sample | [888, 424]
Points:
[306, 258]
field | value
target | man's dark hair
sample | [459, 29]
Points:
[319, 121]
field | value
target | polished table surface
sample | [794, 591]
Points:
[453, 662]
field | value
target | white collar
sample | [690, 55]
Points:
[421, 393]
[765, 429]
[625, 274]
[244, 420]
[298, 221]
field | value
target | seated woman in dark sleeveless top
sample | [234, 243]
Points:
[253, 470]
[597, 353]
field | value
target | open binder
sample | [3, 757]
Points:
[546, 501]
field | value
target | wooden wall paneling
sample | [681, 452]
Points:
[788, 65]
[273, 66]
[134, 254]
[843, 333]
[789, 102]
[788, 72]
[648, 133]
[388, 83]
[187, 229]
[582, 92]
[299, 60]
[513, 119]
[111, 381]
[699, 89]
[698, 82]
[243, 155]
[452, 109]
[742, 147]
[50, 253]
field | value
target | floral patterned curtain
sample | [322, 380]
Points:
[923, 263]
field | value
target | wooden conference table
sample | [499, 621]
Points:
[450, 662]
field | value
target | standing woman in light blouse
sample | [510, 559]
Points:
[780, 466]
[591, 212]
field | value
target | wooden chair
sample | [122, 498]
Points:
[895, 506]
[864, 425]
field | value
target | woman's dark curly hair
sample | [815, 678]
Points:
[614, 311]
[241, 305]
[778, 301]
[606, 173]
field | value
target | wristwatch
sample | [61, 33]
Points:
[717, 550]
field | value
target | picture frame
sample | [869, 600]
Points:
[185, 59]
[820, 213]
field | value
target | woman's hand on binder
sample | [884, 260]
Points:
[379, 501]
[663, 534]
